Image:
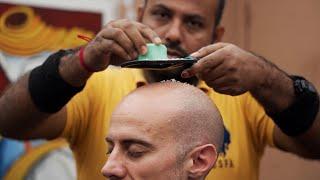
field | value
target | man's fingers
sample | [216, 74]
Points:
[138, 34]
[212, 61]
[135, 36]
[226, 85]
[215, 73]
[208, 50]
[122, 39]
[223, 81]
[150, 35]
[110, 46]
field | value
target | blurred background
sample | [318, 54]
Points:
[285, 32]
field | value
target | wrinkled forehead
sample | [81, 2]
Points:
[205, 8]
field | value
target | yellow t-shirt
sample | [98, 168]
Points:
[248, 128]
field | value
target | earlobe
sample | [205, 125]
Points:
[202, 160]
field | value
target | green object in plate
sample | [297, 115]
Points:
[155, 52]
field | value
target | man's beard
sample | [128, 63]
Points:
[161, 75]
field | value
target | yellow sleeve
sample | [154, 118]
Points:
[261, 125]
[79, 109]
[86, 109]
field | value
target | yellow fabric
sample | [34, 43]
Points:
[24, 164]
[88, 120]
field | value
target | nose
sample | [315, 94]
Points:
[114, 167]
[173, 35]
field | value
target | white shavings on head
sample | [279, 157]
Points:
[170, 80]
[173, 81]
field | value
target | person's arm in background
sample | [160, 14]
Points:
[20, 118]
[230, 70]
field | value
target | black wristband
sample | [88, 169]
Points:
[48, 91]
[299, 117]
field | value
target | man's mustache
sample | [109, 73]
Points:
[176, 47]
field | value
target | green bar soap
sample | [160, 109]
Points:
[155, 52]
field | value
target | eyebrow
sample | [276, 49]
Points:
[132, 141]
[189, 16]
[194, 17]
[137, 141]
[162, 7]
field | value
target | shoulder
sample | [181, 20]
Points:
[112, 80]
[113, 74]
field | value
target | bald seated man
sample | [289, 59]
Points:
[167, 130]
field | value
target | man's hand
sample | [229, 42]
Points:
[120, 40]
[228, 69]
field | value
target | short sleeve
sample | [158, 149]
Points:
[78, 113]
[261, 125]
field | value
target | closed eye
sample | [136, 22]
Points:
[110, 145]
[135, 155]
[110, 149]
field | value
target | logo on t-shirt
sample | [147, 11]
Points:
[224, 161]
[226, 141]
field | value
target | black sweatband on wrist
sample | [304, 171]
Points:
[299, 117]
[49, 92]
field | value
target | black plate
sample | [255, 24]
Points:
[161, 63]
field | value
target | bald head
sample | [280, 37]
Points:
[189, 113]
[166, 130]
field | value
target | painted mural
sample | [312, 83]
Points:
[27, 36]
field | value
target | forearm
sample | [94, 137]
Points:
[310, 140]
[19, 114]
[275, 92]
[71, 70]
[298, 130]
[306, 145]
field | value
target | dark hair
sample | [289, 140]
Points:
[219, 11]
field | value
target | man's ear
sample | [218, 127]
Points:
[218, 34]
[201, 160]
[140, 12]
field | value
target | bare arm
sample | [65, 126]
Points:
[276, 94]
[20, 118]
[233, 71]
[306, 145]
[118, 41]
